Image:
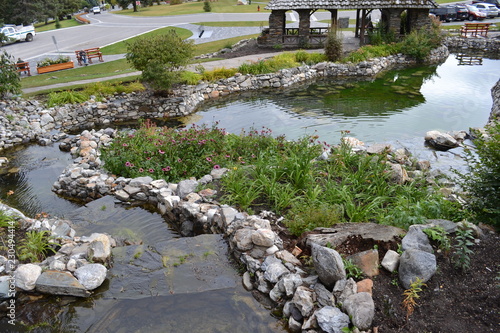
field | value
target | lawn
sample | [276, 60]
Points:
[221, 6]
[40, 27]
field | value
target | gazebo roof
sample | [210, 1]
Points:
[348, 4]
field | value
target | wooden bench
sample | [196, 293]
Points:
[23, 67]
[89, 54]
[475, 29]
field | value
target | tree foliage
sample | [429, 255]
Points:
[9, 77]
[29, 11]
[333, 45]
[161, 58]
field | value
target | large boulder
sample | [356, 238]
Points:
[332, 319]
[60, 283]
[26, 276]
[440, 141]
[361, 310]
[91, 276]
[328, 264]
[415, 264]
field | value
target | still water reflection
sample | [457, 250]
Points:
[402, 104]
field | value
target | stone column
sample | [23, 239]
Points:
[417, 19]
[391, 19]
[334, 18]
[277, 24]
[304, 26]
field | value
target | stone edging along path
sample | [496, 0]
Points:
[308, 301]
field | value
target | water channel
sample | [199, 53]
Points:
[399, 107]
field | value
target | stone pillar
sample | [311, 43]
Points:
[334, 18]
[417, 19]
[391, 19]
[304, 26]
[277, 24]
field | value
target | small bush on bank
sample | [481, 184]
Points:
[334, 46]
[482, 183]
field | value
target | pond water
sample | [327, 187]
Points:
[401, 104]
[398, 107]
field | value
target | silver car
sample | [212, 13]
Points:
[487, 8]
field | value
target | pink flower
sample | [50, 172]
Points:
[141, 170]
[209, 159]
[151, 170]
[161, 151]
[216, 166]
[179, 160]
[167, 169]
[128, 164]
[148, 158]
[125, 145]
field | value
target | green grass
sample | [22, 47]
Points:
[121, 47]
[235, 24]
[101, 70]
[40, 27]
[221, 6]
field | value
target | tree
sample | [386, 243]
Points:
[206, 6]
[161, 58]
[124, 4]
[9, 77]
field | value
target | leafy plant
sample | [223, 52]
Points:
[334, 45]
[352, 271]
[464, 240]
[36, 246]
[48, 61]
[7, 221]
[160, 58]
[438, 234]
[206, 6]
[411, 295]
[482, 182]
[10, 83]
[66, 97]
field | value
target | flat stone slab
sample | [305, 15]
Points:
[339, 233]
[60, 283]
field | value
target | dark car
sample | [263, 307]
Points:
[462, 12]
[444, 13]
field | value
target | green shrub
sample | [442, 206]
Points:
[66, 97]
[218, 73]
[482, 182]
[190, 78]
[36, 246]
[10, 83]
[206, 6]
[160, 58]
[419, 43]
[334, 45]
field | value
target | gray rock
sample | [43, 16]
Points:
[344, 288]
[247, 283]
[60, 283]
[290, 283]
[416, 239]
[304, 301]
[274, 271]
[391, 260]
[139, 181]
[324, 296]
[288, 257]
[331, 319]
[379, 148]
[294, 326]
[91, 276]
[416, 264]
[5, 289]
[26, 276]
[441, 141]
[185, 187]
[263, 237]
[339, 233]
[100, 248]
[328, 264]
[361, 310]
[243, 239]
[447, 225]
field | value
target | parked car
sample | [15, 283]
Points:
[444, 13]
[487, 8]
[493, 2]
[14, 33]
[462, 12]
[96, 10]
[475, 14]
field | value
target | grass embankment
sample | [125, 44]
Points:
[40, 27]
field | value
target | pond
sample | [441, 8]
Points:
[398, 107]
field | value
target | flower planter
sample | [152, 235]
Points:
[55, 67]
